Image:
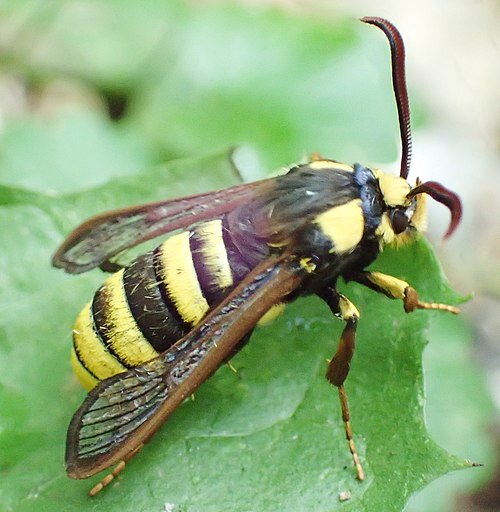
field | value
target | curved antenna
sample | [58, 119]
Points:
[399, 86]
[444, 196]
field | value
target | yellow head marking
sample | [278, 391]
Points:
[419, 217]
[344, 225]
[384, 231]
[394, 189]
[418, 221]
[388, 237]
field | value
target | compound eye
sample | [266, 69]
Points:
[399, 221]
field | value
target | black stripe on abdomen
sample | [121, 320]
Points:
[154, 313]
[116, 325]
[98, 311]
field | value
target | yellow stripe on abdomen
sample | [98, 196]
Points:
[92, 353]
[344, 225]
[214, 253]
[179, 276]
[121, 331]
[86, 379]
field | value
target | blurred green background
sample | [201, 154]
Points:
[92, 92]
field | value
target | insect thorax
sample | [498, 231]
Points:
[329, 213]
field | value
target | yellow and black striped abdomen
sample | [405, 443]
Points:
[143, 309]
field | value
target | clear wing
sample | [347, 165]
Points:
[124, 411]
[101, 237]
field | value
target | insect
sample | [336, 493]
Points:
[158, 328]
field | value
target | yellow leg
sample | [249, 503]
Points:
[111, 476]
[348, 433]
[339, 366]
[398, 289]
[231, 367]
[411, 302]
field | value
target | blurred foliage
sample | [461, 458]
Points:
[152, 81]
[196, 78]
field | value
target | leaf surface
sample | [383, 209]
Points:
[270, 437]
[267, 437]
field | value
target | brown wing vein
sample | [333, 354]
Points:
[93, 445]
[104, 236]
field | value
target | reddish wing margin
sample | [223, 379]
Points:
[123, 412]
[104, 236]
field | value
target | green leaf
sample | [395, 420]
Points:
[198, 78]
[458, 413]
[76, 149]
[269, 437]
[229, 73]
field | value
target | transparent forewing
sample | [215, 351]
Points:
[120, 409]
[106, 235]
[124, 411]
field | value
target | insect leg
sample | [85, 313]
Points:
[236, 349]
[116, 471]
[396, 288]
[338, 368]
[110, 266]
